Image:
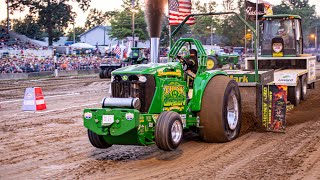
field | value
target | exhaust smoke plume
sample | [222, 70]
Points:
[153, 15]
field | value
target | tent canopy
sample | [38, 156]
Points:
[82, 45]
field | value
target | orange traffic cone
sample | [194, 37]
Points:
[33, 100]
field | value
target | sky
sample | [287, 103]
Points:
[108, 5]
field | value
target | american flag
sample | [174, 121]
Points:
[178, 10]
[117, 51]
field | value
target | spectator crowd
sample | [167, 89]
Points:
[25, 61]
[38, 64]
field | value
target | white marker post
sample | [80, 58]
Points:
[55, 66]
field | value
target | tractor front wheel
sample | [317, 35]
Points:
[168, 131]
[97, 140]
[220, 115]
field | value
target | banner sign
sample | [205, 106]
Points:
[274, 101]
[251, 10]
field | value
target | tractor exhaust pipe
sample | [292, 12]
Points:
[154, 53]
[153, 14]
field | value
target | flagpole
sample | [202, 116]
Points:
[256, 44]
[245, 29]
[169, 25]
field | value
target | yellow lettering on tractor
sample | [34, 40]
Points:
[169, 89]
[170, 73]
[240, 79]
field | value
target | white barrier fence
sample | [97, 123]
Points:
[26, 53]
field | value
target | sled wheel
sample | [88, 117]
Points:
[168, 131]
[109, 73]
[101, 75]
[97, 140]
[212, 63]
[220, 115]
[105, 73]
[304, 87]
[294, 93]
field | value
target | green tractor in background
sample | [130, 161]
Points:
[220, 58]
[137, 56]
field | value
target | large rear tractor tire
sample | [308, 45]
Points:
[294, 93]
[304, 87]
[212, 63]
[97, 140]
[220, 115]
[101, 75]
[168, 131]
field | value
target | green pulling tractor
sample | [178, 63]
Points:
[137, 56]
[155, 103]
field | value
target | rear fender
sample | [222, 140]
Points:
[199, 86]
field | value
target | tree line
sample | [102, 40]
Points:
[51, 18]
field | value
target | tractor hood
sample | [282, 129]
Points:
[172, 68]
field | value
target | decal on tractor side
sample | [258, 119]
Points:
[240, 79]
[174, 96]
[169, 73]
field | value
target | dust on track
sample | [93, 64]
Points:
[54, 145]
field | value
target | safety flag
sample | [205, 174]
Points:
[117, 51]
[178, 10]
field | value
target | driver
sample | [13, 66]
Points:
[190, 62]
[284, 33]
[193, 61]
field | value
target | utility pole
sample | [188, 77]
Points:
[74, 34]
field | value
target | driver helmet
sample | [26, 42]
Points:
[184, 52]
[283, 30]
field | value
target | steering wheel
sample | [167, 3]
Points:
[182, 60]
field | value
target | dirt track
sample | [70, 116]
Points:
[53, 144]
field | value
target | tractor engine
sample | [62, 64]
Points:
[134, 86]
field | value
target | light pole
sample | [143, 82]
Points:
[212, 30]
[314, 36]
[133, 11]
